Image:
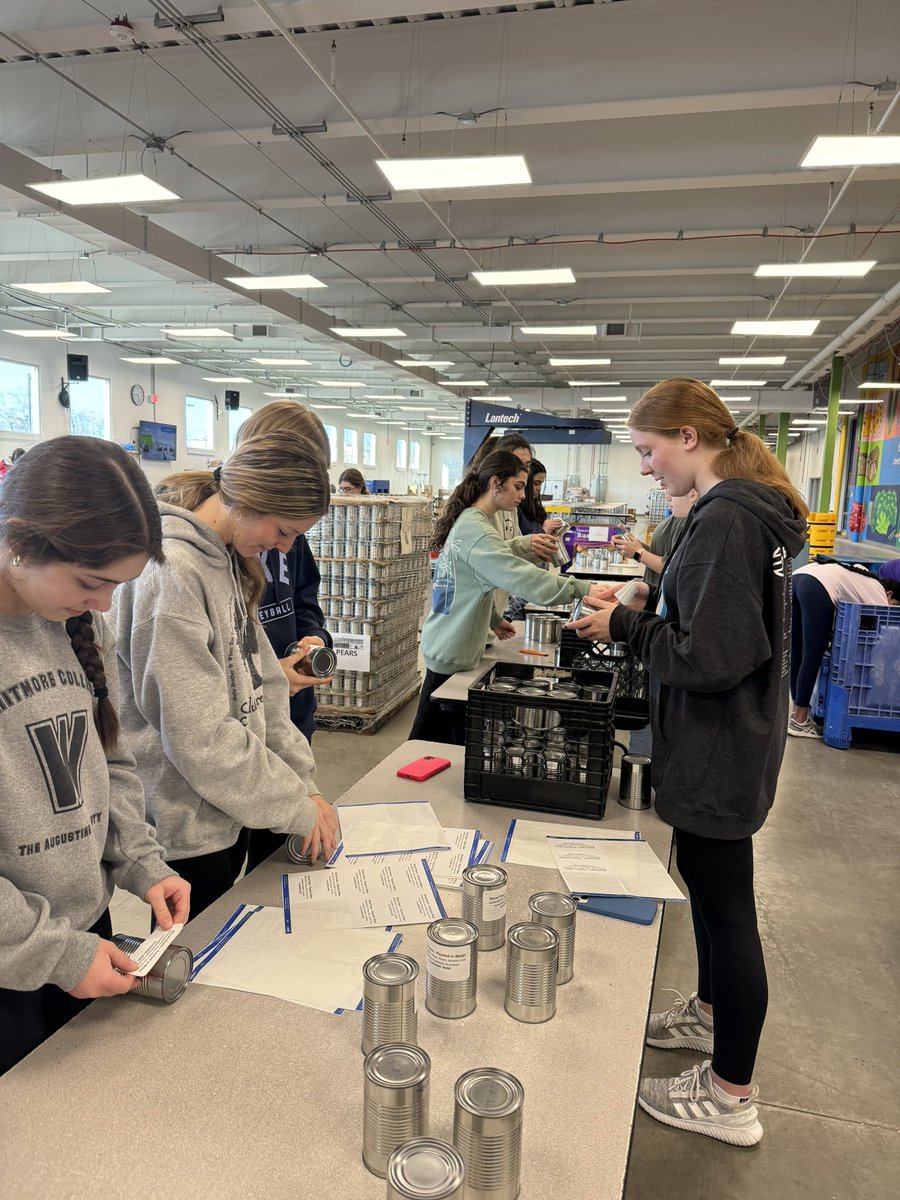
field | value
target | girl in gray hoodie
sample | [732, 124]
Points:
[205, 701]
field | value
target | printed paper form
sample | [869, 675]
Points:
[152, 949]
[405, 825]
[363, 895]
[526, 841]
[446, 866]
[598, 867]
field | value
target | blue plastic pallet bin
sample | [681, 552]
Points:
[863, 689]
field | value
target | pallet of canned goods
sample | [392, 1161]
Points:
[540, 741]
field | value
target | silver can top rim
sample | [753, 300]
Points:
[425, 1168]
[452, 932]
[397, 1065]
[529, 936]
[485, 876]
[552, 904]
[489, 1092]
[391, 969]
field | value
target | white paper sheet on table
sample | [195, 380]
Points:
[526, 841]
[369, 829]
[320, 969]
[607, 867]
[446, 866]
[362, 895]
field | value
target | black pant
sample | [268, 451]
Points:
[29, 1018]
[211, 875]
[731, 971]
[438, 721]
[811, 626]
[263, 843]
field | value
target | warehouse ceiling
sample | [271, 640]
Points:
[663, 140]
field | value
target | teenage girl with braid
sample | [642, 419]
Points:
[77, 519]
[204, 697]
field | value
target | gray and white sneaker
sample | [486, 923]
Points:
[689, 1102]
[807, 728]
[684, 1027]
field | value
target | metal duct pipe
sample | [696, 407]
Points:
[883, 302]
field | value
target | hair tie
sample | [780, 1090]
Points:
[217, 475]
[731, 435]
[101, 693]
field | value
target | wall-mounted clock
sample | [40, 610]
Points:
[137, 395]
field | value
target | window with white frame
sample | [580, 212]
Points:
[415, 456]
[89, 408]
[236, 418]
[368, 449]
[445, 476]
[20, 407]
[199, 425]
[401, 454]
[331, 430]
[351, 446]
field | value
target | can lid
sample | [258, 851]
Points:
[396, 1065]
[391, 968]
[529, 691]
[451, 931]
[552, 904]
[637, 760]
[485, 876]
[527, 936]
[426, 1168]
[489, 1092]
[176, 965]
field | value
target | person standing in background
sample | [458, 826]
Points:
[351, 482]
[533, 518]
[665, 537]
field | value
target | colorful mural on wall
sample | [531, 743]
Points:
[875, 508]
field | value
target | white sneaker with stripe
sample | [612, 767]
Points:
[685, 1026]
[688, 1101]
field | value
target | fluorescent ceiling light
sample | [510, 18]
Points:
[415, 362]
[872, 385]
[227, 379]
[198, 331]
[160, 361]
[558, 330]
[775, 328]
[423, 174]
[380, 422]
[380, 396]
[514, 278]
[739, 399]
[263, 283]
[339, 383]
[114, 189]
[368, 331]
[804, 424]
[723, 383]
[282, 362]
[856, 150]
[284, 395]
[856, 403]
[42, 333]
[579, 362]
[466, 383]
[68, 287]
[605, 383]
[766, 360]
[449, 439]
[592, 383]
[849, 270]
[419, 408]
[332, 407]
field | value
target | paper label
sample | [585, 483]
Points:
[406, 527]
[448, 962]
[152, 948]
[493, 905]
[353, 651]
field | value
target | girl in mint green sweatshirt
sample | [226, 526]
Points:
[474, 561]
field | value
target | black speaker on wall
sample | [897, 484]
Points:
[77, 368]
[232, 400]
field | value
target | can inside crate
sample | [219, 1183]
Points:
[588, 722]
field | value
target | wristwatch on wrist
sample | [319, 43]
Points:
[637, 555]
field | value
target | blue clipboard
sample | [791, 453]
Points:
[623, 908]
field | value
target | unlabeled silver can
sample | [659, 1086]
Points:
[389, 1001]
[319, 661]
[425, 1169]
[555, 766]
[169, 975]
[451, 968]
[484, 904]
[294, 850]
[533, 764]
[487, 1132]
[532, 960]
[395, 1101]
[557, 911]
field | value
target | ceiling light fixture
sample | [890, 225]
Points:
[552, 275]
[415, 362]
[113, 189]
[836, 270]
[42, 333]
[558, 330]
[856, 403]
[331, 407]
[593, 383]
[70, 287]
[284, 395]
[282, 362]
[775, 328]
[873, 385]
[227, 379]
[199, 332]
[339, 383]
[383, 396]
[765, 360]
[725, 383]
[855, 150]
[265, 283]
[579, 362]
[466, 383]
[368, 331]
[148, 361]
[424, 174]
[804, 424]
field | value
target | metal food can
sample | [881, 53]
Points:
[425, 1169]
[533, 764]
[294, 850]
[501, 686]
[540, 685]
[566, 691]
[532, 960]
[484, 904]
[389, 1001]
[514, 758]
[396, 1081]
[451, 968]
[555, 765]
[487, 1132]
[169, 975]
[557, 911]
[594, 691]
[533, 743]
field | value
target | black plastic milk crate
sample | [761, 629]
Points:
[632, 693]
[588, 723]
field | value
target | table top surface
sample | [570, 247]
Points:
[229, 1094]
[515, 650]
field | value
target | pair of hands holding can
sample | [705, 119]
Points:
[603, 599]
[298, 679]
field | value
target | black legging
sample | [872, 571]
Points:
[731, 971]
[811, 626]
[436, 721]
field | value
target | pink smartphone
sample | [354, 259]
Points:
[424, 768]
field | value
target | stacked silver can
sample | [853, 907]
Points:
[169, 975]
[487, 1131]
[451, 968]
[532, 959]
[395, 1102]
[389, 1001]
[484, 904]
[426, 1169]
[558, 912]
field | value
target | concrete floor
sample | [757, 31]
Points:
[828, 1066]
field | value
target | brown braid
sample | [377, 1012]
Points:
[81, 635]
